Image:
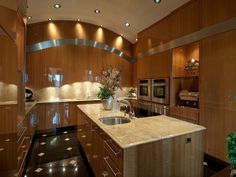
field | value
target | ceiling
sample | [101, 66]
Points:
[114, 13]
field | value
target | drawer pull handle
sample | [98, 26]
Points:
[84, 136]
[88, 144]
[113, 151]
[114, 173]
[105, 174]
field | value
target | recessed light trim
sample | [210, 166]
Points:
[29, 17]
[50, 19]
[97, 11]
[57, 6]
[127, 24]
[157, 1]
[78, 19]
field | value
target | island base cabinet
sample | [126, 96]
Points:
[180, 156]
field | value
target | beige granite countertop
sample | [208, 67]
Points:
[139, 131]
[8, 102]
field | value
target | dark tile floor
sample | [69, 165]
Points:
[57, 155]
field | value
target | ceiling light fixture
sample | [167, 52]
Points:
[121, 35]
[127, 24]
[50, 19]
[97, 11]
[136, 39]
[29, 17]
[100, 25]
[78, 19]
[157, 1]
[57, 6]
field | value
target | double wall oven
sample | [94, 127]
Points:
[155, 90]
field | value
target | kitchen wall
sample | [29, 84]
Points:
[73, 62]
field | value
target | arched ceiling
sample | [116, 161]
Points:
[114, 13]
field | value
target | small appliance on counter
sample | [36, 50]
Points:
[28, 95]
[188, 98]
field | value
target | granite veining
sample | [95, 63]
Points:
[139, 130]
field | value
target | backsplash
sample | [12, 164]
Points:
[8, 92]
[77, 90]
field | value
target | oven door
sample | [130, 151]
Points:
[144, 90]
[160, 90]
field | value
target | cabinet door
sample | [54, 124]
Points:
[144, 68]
[161, 65]
[185, 20]
[40, 113]
[72, 114]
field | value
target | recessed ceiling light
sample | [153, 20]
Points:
[97, 11]
[50, 19]
[122, 35]
[78, 19]
[57, 6]
[127, 24]
[136, 39]
[101, 25]
[29, 17]
[157, 1]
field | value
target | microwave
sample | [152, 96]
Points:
[144, 89]
[160, 90]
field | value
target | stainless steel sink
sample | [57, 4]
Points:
[114, 120]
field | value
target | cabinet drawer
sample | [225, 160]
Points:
[111, 169]
[114, 152]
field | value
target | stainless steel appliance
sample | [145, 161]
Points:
[160, 109]
[144, 89]
[160, 90]
[188, 98]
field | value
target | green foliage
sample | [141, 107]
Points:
[231, 146]
[104, 93]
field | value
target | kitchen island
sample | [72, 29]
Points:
[158, 146]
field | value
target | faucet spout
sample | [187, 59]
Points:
[131, 110]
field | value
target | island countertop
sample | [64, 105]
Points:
[139, 130]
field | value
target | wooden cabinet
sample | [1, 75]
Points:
[155, 35]
[185, 113]
[103, 154]
[161, 65]
[154, 66]
[185, 20]
[218, 91]
[216, 11]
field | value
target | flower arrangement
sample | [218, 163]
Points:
[231, 146]
[110, 81]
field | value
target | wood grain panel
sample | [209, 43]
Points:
[8, 117]
[157, 34]
[161, 65]
[8, 18]
[167, 158]
[185, 20]
[70, 29]
[216, 11]
[218, 91]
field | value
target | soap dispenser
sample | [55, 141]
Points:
[116, 105]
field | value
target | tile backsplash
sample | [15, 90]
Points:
[77, 90]
[8, 92]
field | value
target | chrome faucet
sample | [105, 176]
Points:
[131, 110]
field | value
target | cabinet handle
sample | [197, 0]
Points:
[105, 173]
[84, 136]
[114, 173]
[113, 151]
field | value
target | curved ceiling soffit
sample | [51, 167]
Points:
[80, 42]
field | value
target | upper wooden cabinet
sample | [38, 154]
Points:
[181, 56]
[154, 66]
[157, 34]
[161, 64]
[216, 11]
[185, 20]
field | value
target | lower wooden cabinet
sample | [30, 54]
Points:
[103, 154]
